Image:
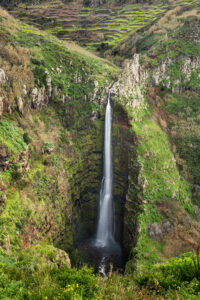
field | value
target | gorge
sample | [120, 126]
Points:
[97, 177]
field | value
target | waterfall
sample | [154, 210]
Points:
[104, 236]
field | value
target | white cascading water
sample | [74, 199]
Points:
[104, 236]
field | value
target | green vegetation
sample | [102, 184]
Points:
[100, 28]
[161, 184]
[47, 193]
[38, 273]
[180, 274]
[13, 218]
[66, 69]
[11, 137]
[185, 125]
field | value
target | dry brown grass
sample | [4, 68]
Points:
[185, 236]
[15, 61]
[189, 13]
[168, 21]
[10, 23]
[172, 20]
[171, 2]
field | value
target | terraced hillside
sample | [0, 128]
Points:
[99, 28]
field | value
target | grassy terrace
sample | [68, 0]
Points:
[91, 27]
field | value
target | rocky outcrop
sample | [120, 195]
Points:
[39, 98]
[62, 259]
[163, 74]
[157, 231]
[136, 76]
[3, 158]
[2, 77]
[131, 83]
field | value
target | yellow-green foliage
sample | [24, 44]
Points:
[36, 274]
[13, 217]
[161, 183]
[11, 137]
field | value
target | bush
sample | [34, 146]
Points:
[27, 138]
[34, 274]
[178, 271]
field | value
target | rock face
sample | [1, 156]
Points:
[134, 79]
[131, 83]
[2, 77]
[158, 231]
[162, 75]
[39, 98]
[20, 104]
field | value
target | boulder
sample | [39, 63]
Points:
[62, 258]
[157, 231]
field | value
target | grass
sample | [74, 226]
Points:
[13, 217]
[185, 127]
[161, 183]
[127, 18]
[39, 273]
[11, 137]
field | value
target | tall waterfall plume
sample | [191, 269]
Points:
[104, 236]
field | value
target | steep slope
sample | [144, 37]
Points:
[46, 117]
[98, 28]
[51, 135]
[161, 94]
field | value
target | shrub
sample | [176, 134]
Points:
[26, 138]
[176, 272]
